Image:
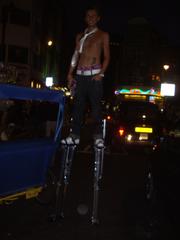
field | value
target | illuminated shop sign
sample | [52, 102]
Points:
[168, 89]
[150, 91]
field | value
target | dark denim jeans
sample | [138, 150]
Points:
[87, 89]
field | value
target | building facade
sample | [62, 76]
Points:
[138, 57]
[24, 33]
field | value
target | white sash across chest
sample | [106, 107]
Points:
[82, 40]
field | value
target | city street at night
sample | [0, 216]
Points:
[89, 120]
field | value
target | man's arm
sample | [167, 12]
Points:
[74, 62]
[106, 50]
[106, 56]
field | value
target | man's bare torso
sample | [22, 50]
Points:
[92, 50]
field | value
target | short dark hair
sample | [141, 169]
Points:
[95, 7]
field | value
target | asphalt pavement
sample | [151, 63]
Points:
[124, 211]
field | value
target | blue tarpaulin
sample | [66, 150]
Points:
[24, 163]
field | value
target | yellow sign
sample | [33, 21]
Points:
[143, 129]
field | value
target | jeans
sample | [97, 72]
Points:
[92, 90]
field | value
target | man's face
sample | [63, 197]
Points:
[92, 18]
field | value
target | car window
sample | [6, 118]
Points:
[136, 110]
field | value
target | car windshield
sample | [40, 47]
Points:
[136, 110]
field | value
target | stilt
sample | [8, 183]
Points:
[63, 180]
[98, 170]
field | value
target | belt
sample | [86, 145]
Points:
[88, 72]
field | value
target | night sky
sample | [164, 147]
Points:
[164, 17]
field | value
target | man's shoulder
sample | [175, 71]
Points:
[103, 33]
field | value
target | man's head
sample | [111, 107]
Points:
[92, 16]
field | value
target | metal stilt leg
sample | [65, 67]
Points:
[98, 170]
[63, 180]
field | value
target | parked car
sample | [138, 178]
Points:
[136, 123]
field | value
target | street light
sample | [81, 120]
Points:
[165, 73]
[50, 43]
[48, 58]
[166, 67]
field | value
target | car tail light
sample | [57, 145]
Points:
[121, 131]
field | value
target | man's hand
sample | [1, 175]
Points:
[97, 77]
[70, 80]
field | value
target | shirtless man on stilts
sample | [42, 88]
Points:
[88, 65]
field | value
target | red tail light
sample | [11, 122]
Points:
[121, 132]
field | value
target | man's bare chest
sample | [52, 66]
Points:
[92, 42]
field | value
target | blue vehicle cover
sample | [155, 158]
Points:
[24, 163]
[8, 91]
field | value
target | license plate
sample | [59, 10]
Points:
[143, 129]
[143, 136]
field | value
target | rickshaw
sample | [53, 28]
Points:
[24, 163]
